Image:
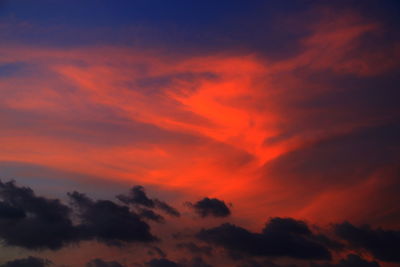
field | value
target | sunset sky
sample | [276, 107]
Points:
[177, 133]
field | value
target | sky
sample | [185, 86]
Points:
[199, 133]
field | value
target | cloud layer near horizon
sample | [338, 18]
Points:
[37, 223]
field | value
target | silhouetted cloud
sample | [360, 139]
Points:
[352, 260]
[194, 262]
[253, 263]
[138, 197]
[156, 250]
[328, 242]
[166, 208]
[102, 263]
[151, 215]
[27, 262]
[383, 244]
[161, 263]
[210, 207]
[281, 237]
[106, 221]
[195, 249]
[286, 225]
[33, 222]
[10, 212]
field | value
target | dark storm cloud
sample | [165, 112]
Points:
[382, 244]
[138, 197]
[33, 222]
[102, 263]
[27, 262]
[352, 260]
[281, 237]
[109, 222]
[195, 249]
[210, 207]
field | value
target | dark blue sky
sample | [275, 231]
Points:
[197, 26]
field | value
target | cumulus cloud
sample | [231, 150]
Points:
[281, 237]
[109, 222]
[33, 222]
[210, 207]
